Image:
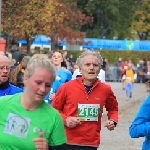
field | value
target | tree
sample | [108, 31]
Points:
[111, 18]
[10, 9]
[141, 21]
[54, 18]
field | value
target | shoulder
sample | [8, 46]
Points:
[105, 86]
[56, 82]
[147, 100]
[8, 99]
[68, 85]
[15, 88]
[65, 71]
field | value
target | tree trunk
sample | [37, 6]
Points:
[54, 43]
[29, 42]
[7, 43]
[143, 36]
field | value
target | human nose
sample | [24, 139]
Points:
[43, 88]
[91, 66]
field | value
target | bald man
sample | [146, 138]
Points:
[5, 87]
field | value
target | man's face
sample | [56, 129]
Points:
[90, 68]
[4, 71]
[57, 58]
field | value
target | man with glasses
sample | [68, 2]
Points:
[5, 87]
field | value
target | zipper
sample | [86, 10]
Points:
[88, 94]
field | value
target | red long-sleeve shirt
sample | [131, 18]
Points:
[73, 93]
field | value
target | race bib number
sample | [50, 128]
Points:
[88, 112]
[128, 78]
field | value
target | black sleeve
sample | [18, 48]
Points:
[58, 147]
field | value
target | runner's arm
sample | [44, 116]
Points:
[59, 101]
[112, 106]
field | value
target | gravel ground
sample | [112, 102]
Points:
[119, 139]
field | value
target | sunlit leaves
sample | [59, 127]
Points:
[55, 18]
[141, 20]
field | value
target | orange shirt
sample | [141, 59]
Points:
[129, 75]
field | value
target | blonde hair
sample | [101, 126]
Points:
[39, 61]
[85, 53]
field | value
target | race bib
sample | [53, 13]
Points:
[88, 112]
[128, 78]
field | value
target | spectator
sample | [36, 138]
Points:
[123, 68]
[5, 87]
[17, 74]
[15, 53]
[118, 65]
[107, 72]
[104, 64]
[71, 59]
[140, 72]
[145, 64]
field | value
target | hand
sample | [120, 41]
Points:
[40, 142]
[72, 122]
[51, 96]
[110, 125]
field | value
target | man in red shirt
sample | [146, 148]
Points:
[81, 101]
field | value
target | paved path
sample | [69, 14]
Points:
[119, 139]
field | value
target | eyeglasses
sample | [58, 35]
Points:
[6, 68]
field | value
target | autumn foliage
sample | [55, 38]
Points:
[141, 21]
[55, 18]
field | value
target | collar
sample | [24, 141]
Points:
[94, 84]
[4, 85]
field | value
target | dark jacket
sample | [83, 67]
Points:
[10, 90]
[15, 54]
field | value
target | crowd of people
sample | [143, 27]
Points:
[51, 102]
[45, 112]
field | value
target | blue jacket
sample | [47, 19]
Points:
[10, 90]
[140, 127]
[54, 88]
[63, 75]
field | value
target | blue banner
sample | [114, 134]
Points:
[95, 43]
[116, 44]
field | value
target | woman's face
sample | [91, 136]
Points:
[39, 84]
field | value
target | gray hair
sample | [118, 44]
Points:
[85, 53]
[39, 61]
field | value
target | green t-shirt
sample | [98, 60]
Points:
[18, 126]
